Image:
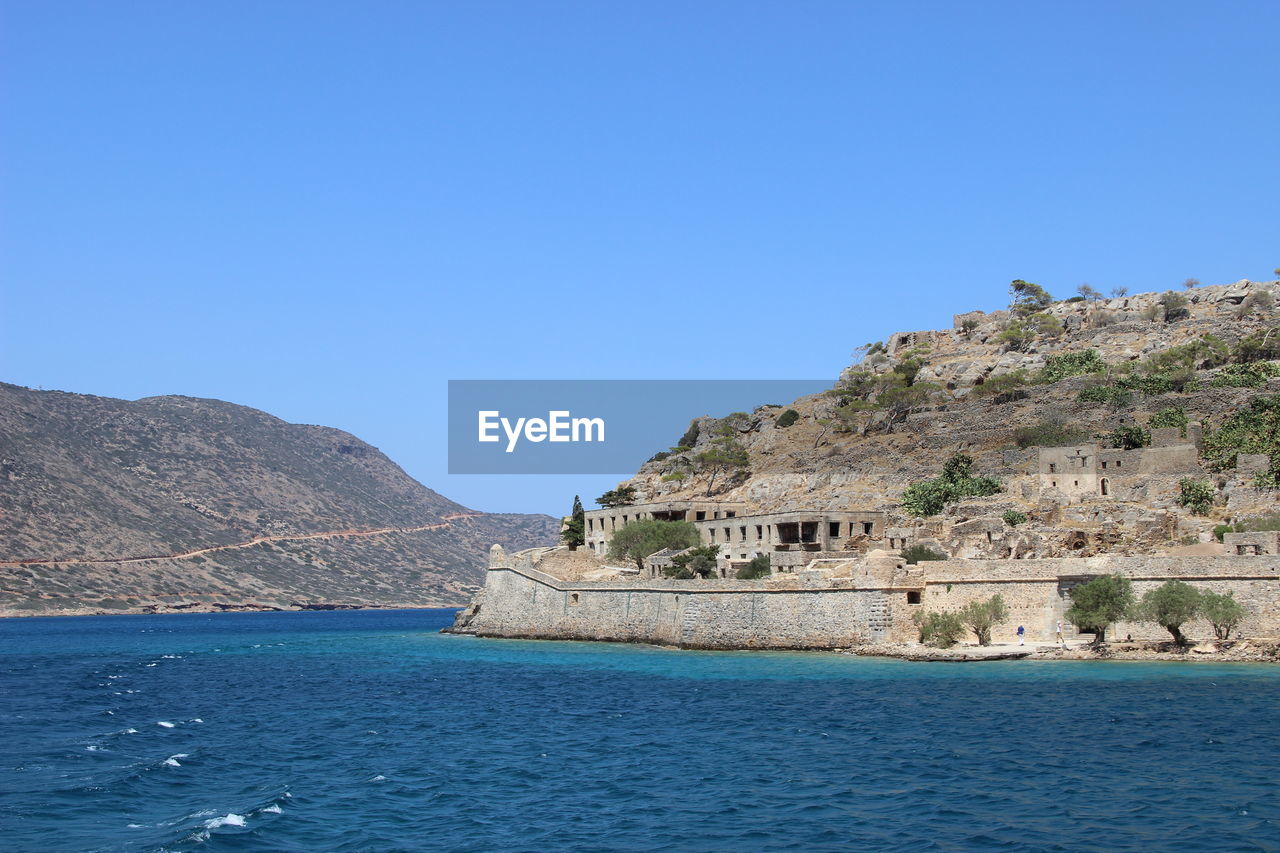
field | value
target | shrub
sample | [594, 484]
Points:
[1258, 346]
[675, 477]
[1115, 395]
[921, 554]
[1171, 605]
[757, 568]
[1175, 307]
[1220, 530]
[699, 561]
[1249, 375]
[1049, 433]
[1197, 495]
[1098, 603]
[1013, 518]
[660, 455]
[1127, 437]
[1223, 612]
[982, 616]
[1059, 367]
[1174, 416]
[1255, 429]
[787, 418]
[1005, 387]
[943, 630]
[929, 497]
[1204, 352]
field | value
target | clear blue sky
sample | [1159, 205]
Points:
[326, 210]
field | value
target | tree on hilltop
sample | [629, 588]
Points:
[1028, 298]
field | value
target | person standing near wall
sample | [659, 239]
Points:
[1022, 633]
[1061, 641]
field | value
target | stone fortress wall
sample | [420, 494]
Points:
[837, 603]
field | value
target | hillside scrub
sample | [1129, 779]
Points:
[914, 554]
[930, 497]
[1255, 429]
[1059, 367]
[1054, 432]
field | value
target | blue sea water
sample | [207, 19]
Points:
[371, 731]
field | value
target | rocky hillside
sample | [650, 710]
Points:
[175, 502]
[997, 388]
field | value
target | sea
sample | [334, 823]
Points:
[372, 731]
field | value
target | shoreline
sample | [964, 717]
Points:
[215, 607]
[1250, 650]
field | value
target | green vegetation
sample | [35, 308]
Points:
[1127, 437]
[639, 539]
[574, 532]
[1059, 367]
[1197, 495]
[621, 496]
[1174, 416]
[1249, 375]
[921, 554]
[1053, 432]
[1174, 307]
[982, 616]
[1005, 387]
[1013, 518]
[699, 561]
[757, 568]
[1100, 602]
[1262, 345]
[1170, 605]
[929, 497]
[787, 418]
[943, 630]
[1019, 333]
[1255, 429]
[1223, 612]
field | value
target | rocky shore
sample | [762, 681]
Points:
[213, 607]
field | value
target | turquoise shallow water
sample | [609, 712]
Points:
[370, 731]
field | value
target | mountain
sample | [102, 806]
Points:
[183, 503]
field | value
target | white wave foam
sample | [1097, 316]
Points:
[229, 820]
[378, 778]
[130, 731]
[170, 762]
[197, 720]
[165, 724]
[93, 747]
[134, 825]
[273, 809]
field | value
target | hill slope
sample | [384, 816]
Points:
[982, 389]
[103, 501]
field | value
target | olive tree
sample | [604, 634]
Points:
[1171, 605]
[639, 539]
[1100, 602]
[1223, 612]
[982, 616]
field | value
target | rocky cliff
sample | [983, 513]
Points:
[183, 503]
[995, 387]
